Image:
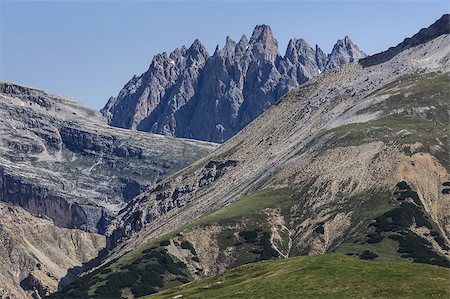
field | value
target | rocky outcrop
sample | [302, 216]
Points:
[36, 254]
[60, 159]
[188, 93]
[166, 197]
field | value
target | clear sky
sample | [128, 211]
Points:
[90, 49]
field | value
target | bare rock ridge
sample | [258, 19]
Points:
[60, 159]
[189, 93]
[440, 27]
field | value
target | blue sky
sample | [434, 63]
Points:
[90, 49]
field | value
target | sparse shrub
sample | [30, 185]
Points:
[182, 279]
[368, 255]
[188, 245]
[374, 238]
[320, 229]
[249, 235]
[164, 243]
[142, 290]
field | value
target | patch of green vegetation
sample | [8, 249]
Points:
[320, 276]
[152, 258]
[144, 275]
[394, 225]
[249, 235]
[386, 249]
[417, 90]
[419, 249]
[248, 205]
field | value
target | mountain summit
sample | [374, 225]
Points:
[344, 51]
[191, 94]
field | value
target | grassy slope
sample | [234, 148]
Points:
[321, 276]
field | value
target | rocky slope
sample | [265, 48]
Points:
[60, 159]
[354, 161]
[188, 93]
[35, 254]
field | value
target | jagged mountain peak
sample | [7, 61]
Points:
[262, 33]
[344, 51]
[197, 48]
[243, 40]
[264, 46]
[298, 49]
[229, 49]
[177, 52]
[241, 46]
[229, 89]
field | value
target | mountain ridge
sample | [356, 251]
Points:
[213, 97]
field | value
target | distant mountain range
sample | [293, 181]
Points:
[189, 93]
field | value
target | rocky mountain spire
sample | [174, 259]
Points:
[299, 50]
[321, 58]
[197, 51]
[241, 46]
[191, 94]
[264, 45]
[344, 51]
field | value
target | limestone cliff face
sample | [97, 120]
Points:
[35, 253]
[188, 93]
[60, 159]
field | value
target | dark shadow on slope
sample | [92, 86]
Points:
[74, 272]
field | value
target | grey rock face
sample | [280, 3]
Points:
[188, 93]
[344, 51]
[61, 160]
